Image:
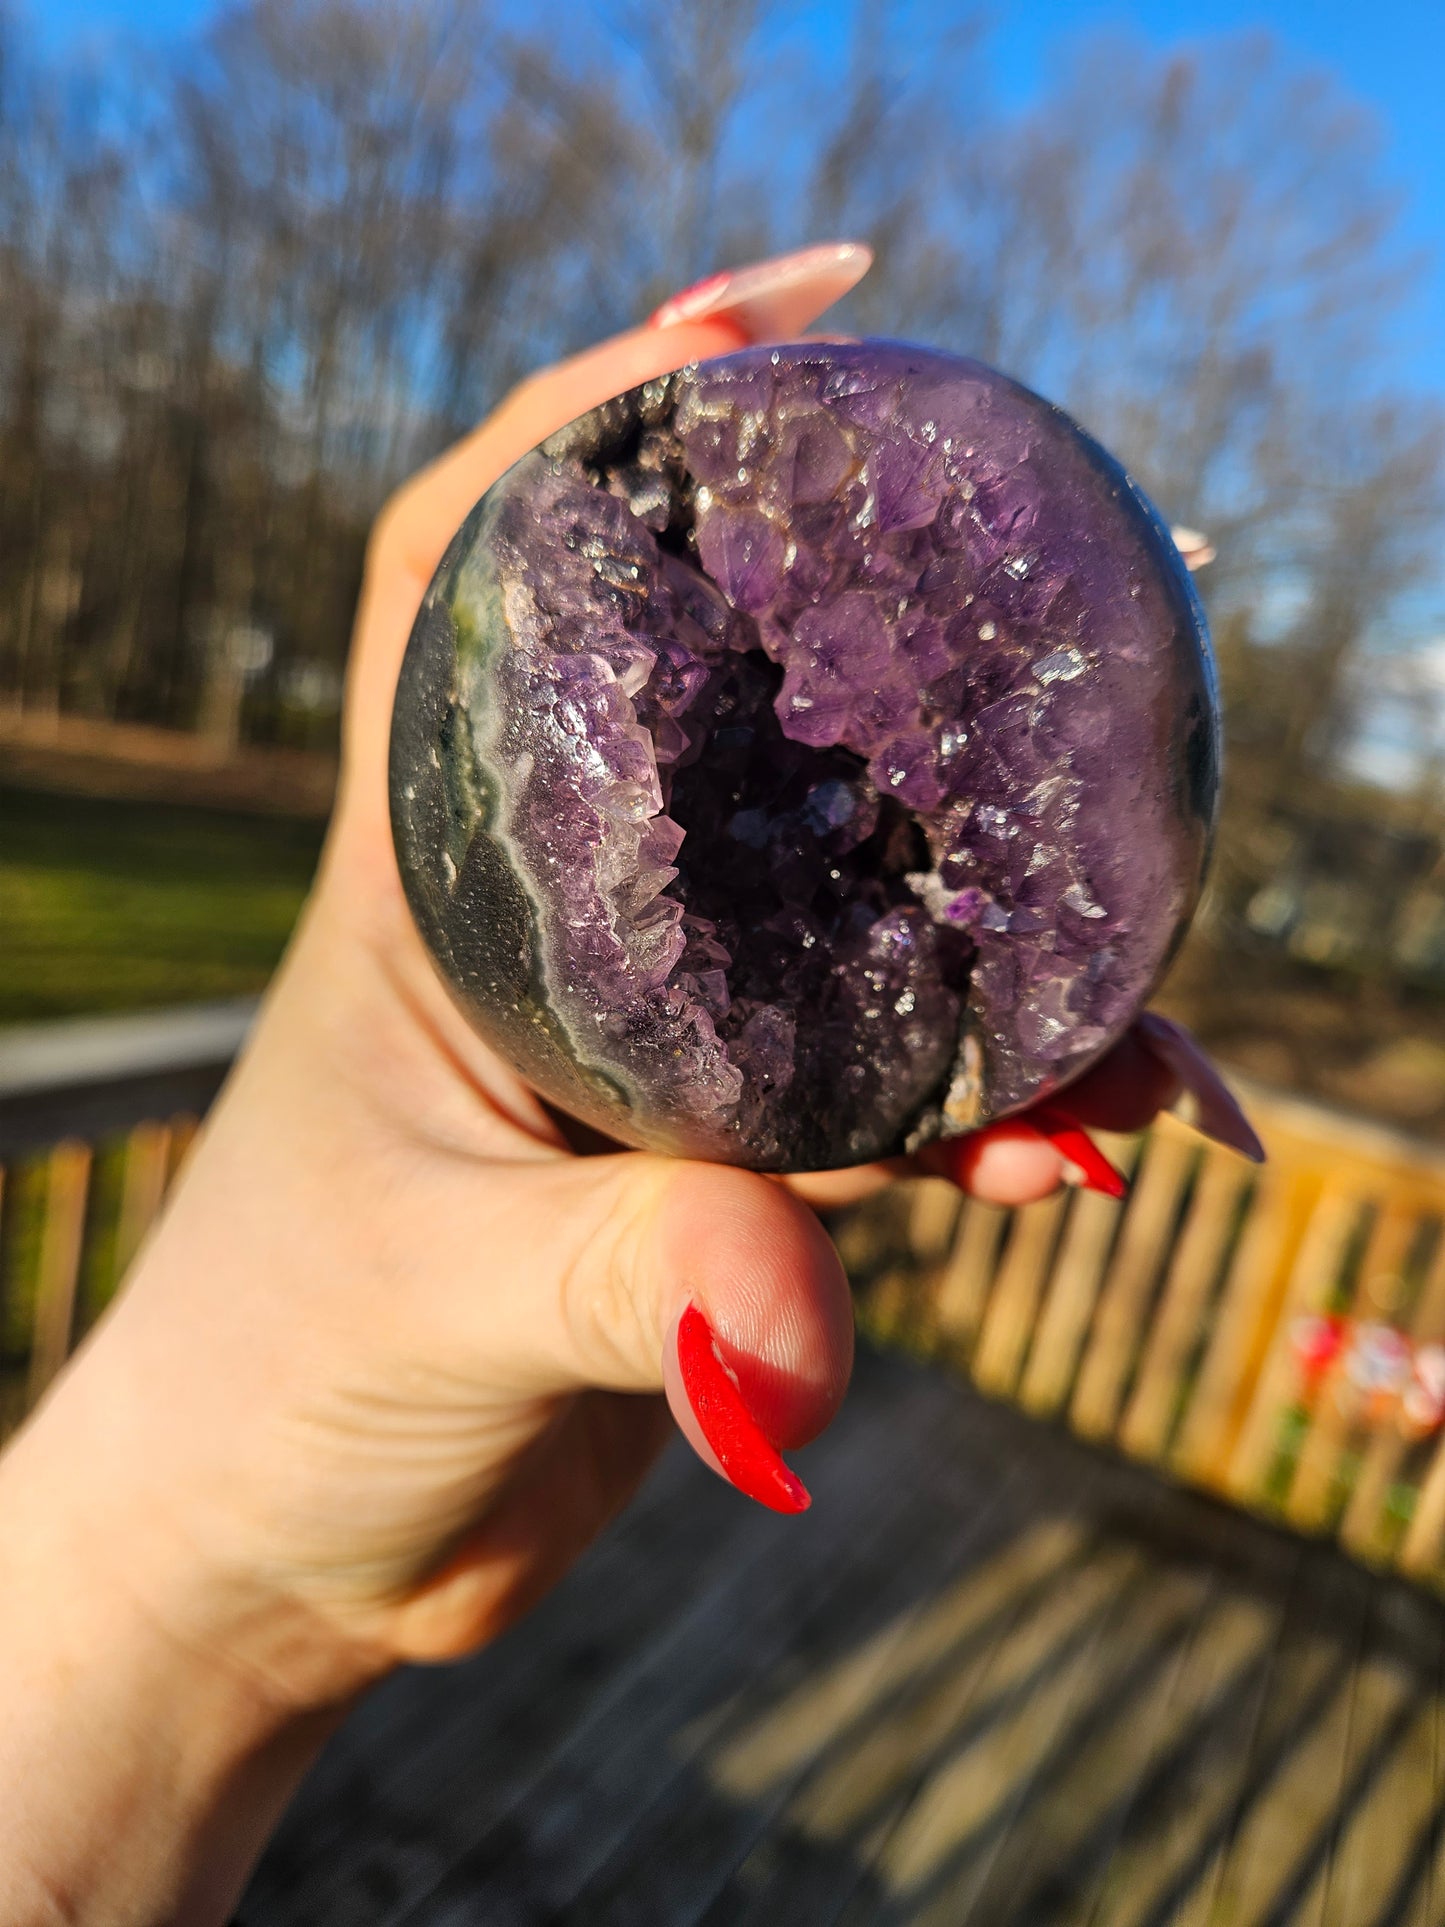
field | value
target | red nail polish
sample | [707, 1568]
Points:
[1072, 1142]
[1050, 1126]
[746, 1455]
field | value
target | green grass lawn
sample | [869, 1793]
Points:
[130, 906]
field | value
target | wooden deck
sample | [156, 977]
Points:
[1001, 1676]
[994, 1677]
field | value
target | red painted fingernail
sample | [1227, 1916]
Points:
[736, 1444]
[1076, 1147]
[772, 299]
[1216, 1111]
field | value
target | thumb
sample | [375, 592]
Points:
[724, 1286]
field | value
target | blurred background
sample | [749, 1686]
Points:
[259, 261]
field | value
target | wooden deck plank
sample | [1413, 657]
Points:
[868, 1767]
[1167, 1867]
[1379, 1713]
[1293, 1768]
[924, 1646]
[1299, 1689]
[1042, 1652]
[578, 1794]
[1185, 1777]
[1062, 1865]
[776, 1746]
[401, 1749]
[1006, 1681]
[938, 1730]
[949, 1843]
[584, 1825]
[1419, 1891]
[1092, 1765]
[1376, 1842]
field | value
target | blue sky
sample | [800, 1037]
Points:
[1391, 57]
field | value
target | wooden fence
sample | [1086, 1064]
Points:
[1253, 1332]
[1174, 1328]
[95, 1118]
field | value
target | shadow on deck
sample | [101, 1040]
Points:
[993, 1677]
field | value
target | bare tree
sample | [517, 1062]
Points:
[245, 293]
[1197, 254]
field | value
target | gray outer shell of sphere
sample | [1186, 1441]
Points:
[806, 755]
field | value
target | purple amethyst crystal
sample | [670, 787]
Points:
[806, 755]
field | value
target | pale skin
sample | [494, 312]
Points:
[393, 1356]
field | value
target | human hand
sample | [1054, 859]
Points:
[394, 1354]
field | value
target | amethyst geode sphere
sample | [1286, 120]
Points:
[806, 755]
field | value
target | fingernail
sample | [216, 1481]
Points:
[1195, 548]
[713, 1415]
[1079, 1151]
[955, 1158]
[1085, 1165]
[1216, 1111]
[771, 300]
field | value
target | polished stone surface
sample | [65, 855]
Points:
[806, 754]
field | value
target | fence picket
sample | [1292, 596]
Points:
[1242, 1327]
[1166, 1325]
[1078, 1277]
[67, 1190]
[147, 1173]
[1176, 1329]
[1337, 1408]
[966, 1280]
[1366, 1529]
[1321, 1249]
[1119, 1319]
[1019, 1286]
